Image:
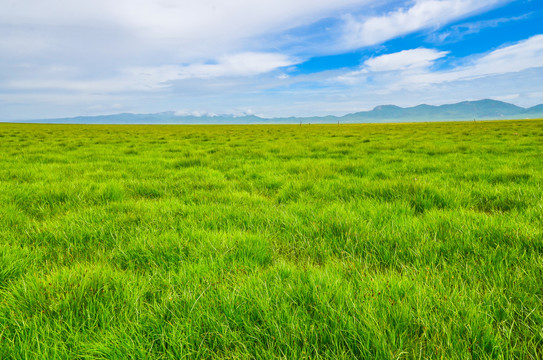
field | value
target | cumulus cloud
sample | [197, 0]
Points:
[423, 14]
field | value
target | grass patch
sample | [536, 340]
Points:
[252, 242]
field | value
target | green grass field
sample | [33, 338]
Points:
[251, 242]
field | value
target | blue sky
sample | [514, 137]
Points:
[271, 58]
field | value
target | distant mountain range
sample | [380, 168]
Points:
[466, 110]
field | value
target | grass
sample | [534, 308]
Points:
[252, 242]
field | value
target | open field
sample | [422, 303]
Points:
[319, 241]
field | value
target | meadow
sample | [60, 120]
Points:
[385, 241]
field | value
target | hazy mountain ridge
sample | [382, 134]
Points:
[466, 110]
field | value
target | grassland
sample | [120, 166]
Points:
[357, 241]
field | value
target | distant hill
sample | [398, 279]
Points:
[466, 110]
[168, 117]
[536, 110]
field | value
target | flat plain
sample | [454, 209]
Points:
[385, 241]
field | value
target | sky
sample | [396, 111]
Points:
[271, 58]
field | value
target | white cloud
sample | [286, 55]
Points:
[167, 17]
[413, 68]
[197, 113]
[507, 97]
[523, 55]
[243, 64]
[386, 67]
[423, 14]
[404, 60]
[188, 29]
[157, 77]
[458, 32]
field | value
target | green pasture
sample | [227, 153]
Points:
[393, 241]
